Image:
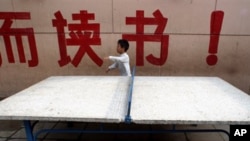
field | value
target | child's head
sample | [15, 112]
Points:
[122, 45]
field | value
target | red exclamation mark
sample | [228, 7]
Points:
[215, 28]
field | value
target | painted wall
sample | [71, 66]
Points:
[41, 38]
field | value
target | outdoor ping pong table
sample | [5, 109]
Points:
[137, 99]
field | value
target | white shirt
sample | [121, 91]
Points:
[122, 63]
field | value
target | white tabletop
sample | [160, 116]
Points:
[70, 98]
[155, 100]
[188, 100]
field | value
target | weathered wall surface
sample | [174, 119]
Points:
[40, 38]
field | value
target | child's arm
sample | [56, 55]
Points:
[113, 66]
[118, 58]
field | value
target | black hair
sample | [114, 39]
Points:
[124, 44]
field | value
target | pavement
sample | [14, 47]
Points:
[14, 131]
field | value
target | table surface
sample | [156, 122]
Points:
[188, 100]
[155, 100]
[70, 98]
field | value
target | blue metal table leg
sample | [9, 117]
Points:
[28, 130]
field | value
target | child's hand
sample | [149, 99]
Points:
[107, 70]
[106, 58]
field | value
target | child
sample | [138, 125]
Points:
[121, 62]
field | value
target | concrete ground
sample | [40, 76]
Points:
[14, 131]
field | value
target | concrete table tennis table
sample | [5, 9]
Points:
[137, 99]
